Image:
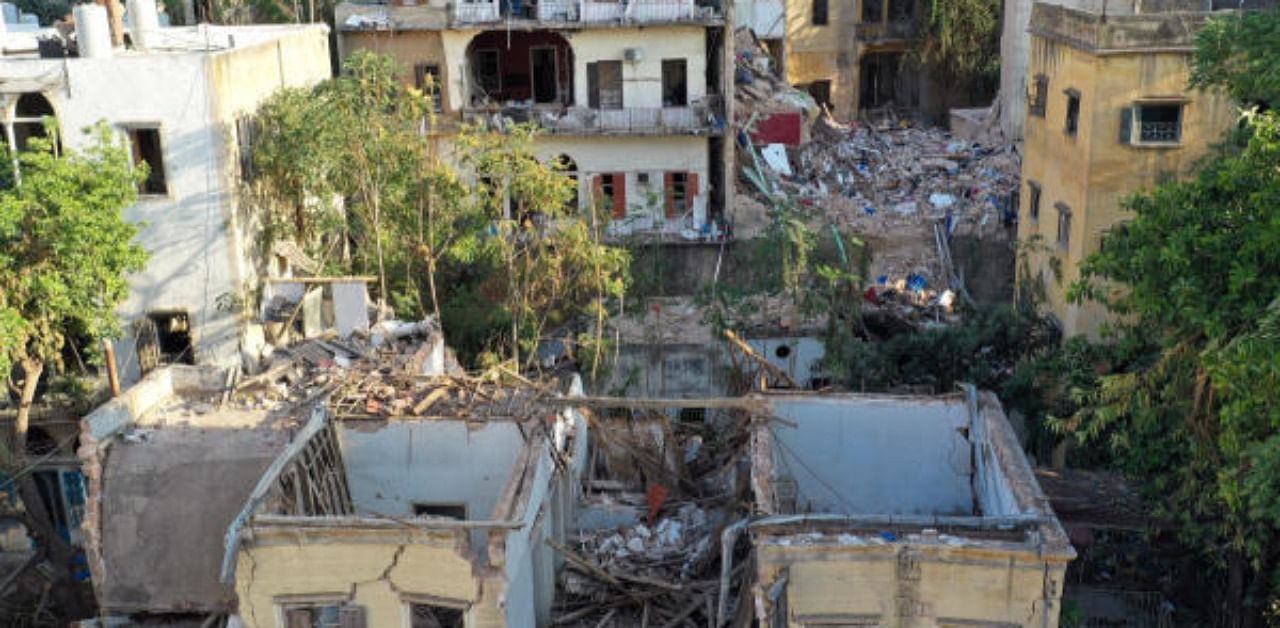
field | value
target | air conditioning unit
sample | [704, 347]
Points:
[633, 55]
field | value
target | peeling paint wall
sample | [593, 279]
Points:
[868, 455]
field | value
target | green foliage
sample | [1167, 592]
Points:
[961, 39]
[1193, 406]
[1238, 52]
[492, 246]
[49, 11]
[65, 247]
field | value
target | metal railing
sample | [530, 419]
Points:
[879, 31]
[586, 121]
[1159, 132]
[588, 11]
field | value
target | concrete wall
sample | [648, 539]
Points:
[197, 252]
[828, 52]
[1093, 171]
[376, 570]
[766, 18]
[875, 455]
[642, 81]
[690, 371]
[392, 465]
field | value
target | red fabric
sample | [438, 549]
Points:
[668, 191]
[656, 496]
[619, 195]
[778, 128]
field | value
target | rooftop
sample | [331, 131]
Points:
[436, 15]
[1128, 26]
[201, 39]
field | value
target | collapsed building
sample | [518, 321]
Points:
[181, 99]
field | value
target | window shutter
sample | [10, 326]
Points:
[669, 194]
[690, 190]
[1126, 125]
[350, 616]
[619, 195]
[593, 85]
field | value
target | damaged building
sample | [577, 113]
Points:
[180, 98]
[900, 511]
[631, 97]
[1108, 113]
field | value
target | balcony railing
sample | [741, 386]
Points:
[883, 31]
[581, 11]
[693, 120]
[1159, 132]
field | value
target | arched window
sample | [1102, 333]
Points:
[29, 119]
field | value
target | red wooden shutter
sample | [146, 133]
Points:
[619, 195]
[669, 192]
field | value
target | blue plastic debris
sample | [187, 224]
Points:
[888, 536]
[916, 283]
[871, 211]
[883, 280]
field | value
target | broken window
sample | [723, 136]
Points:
[680, 189]
[821, 92]
[604, 85]
[426, 76]
[544, 73]
[611, 193]
[1033, 202]
[246, 133]
[675, 92]
[819, 12]
[693, 415]
[323, 615]
[146, 148]
[447, 511]
[1040, 97]
[1073, 112]
[487, 73]
[432, 616]
[173, 337]
[30, 117]
[1064, 225]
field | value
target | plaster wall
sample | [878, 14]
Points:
[829, 52]
[373, 570]
[394, 465]
[190, 232]
[914, 584]
[1094, 171]
[407, 48]
[641, 81]
[875, 455]
[766, 18]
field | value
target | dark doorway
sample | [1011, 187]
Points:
[821, 92]
[173, 337]
[675, 83]
[880, 82]
[546, 73]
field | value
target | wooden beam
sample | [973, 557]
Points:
[351, 279]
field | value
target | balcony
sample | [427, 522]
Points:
[871, 32]
[699, 119]
[582, 11]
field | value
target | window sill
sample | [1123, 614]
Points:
[1156, 145]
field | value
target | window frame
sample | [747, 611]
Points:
[1135, 121]
[1033, 201]
[683, 65]
[409, 600]
[820, 13]
[1064, 225]
[1040, 97]
[1071, 121]
[420, 72]
[130, 130]
[285, 603]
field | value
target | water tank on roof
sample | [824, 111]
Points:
[144, 23]
[93, 34]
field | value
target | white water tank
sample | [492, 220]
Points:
[93, 34]
[144, 23]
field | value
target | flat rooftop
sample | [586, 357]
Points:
[201, 39]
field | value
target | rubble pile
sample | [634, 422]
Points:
[758, 86]
[876, 182]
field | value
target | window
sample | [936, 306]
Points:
[431, 616]
[1073, 112]
[611, 193]
[680, 188]
[821, 92]
[872, 11]
[1040, 97]
[421, 73]
[1151, 123]
[448, 511]
[145, 144]
[323, 615]
[30, 115]
[173, 336]
[604, 85]
[1033, 202]
[1064, 225]
[488, 76]
[246, 134]
[819, 12]
[693, 415]
[675, 82]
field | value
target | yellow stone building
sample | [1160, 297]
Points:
[850, 54]
[1109, 113]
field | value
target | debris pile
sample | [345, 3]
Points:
[759, 88]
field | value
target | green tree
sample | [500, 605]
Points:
[960, 43]
[1193, 409]
[65, 250]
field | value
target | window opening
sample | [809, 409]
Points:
[604, 85]
[448, 511]
[1040, 98]
[675, 82]
[173, 337]
[1064, 225]
[820, 12]
[431, 616]
[426, 76]
[1033, 204]
[146, 148]
[1073, 112]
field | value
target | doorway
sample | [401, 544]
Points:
[546, 73]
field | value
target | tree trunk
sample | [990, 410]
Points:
[58, 552]
[1236, 566]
